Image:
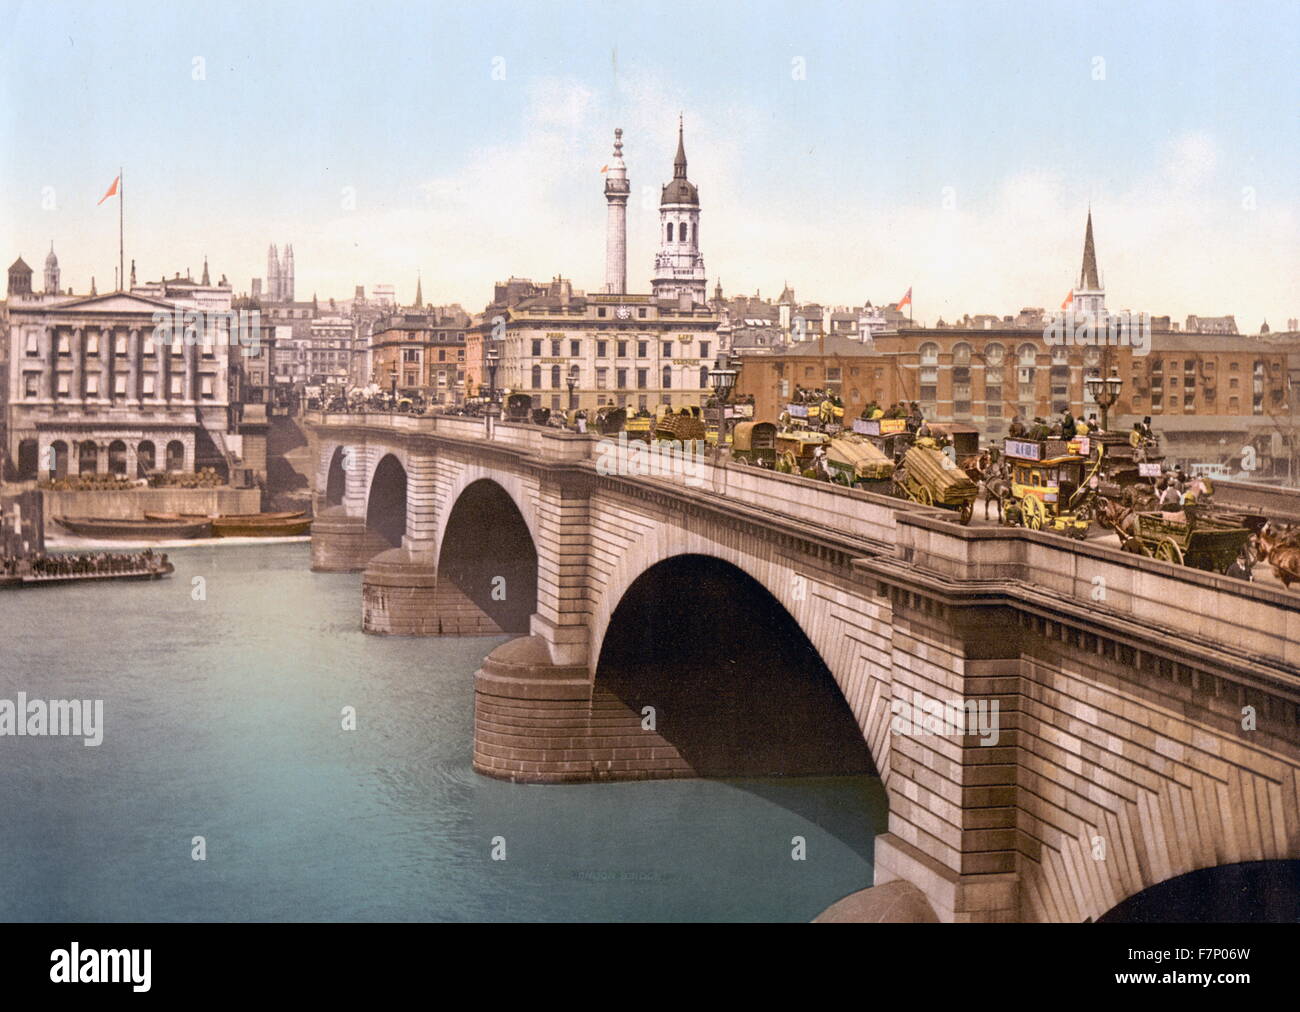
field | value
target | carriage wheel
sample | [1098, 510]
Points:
[924, 497]
[1168, 551]
[1033, 512]
[788, 462]
[967, 511]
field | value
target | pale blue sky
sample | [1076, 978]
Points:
[835, 182]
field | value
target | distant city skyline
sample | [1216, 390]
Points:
[849, 153]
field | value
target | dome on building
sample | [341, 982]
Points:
[680, 190]
[51, 261]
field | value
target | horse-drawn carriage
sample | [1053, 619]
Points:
[518, 407]
[754, 443]
[928, 476]
[1050, 484]
[1187, 539]
[855, 461]
[609, 419]
[796, 451]
[639, 426]
[684, 425]
[889, 435]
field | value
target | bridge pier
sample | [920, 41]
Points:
[539, 722]
[402, 594]
[341, 543]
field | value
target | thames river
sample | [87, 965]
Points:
[223, 711]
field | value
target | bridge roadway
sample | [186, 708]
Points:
[1149, 714]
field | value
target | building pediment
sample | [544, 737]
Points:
[113, 302]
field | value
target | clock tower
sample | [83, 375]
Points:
[679, 265]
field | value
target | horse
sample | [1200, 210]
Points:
[996, 486]
[1282, 552]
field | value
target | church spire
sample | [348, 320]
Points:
[1088, 276]
[679, 163]
[206, 279]
[419, 294]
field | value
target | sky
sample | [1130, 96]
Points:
[851, 149]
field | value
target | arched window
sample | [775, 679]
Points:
[88, 458]
[146, 458]
[555, 377]
[1028, 355]
[537, 377]
[686, 233]
[994, 354]
[668, 377]
[59, 465]
[175, 455]
[670, 231]
[704, 377]
[929, 353]
[117, 457]
[961, 354]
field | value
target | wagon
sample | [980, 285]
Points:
[754, 443]
[1187, 540]
[684, 425]
[932, 479]
[796, 450]
[889, 435]
[855, 461]
[518, 407]
[965, 439]
[1051, 484]
[639, 426]
[609, 419]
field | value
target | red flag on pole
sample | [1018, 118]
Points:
[1068, 299]
[111, 190]
[906, 300]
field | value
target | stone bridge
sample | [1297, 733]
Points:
[742, 621]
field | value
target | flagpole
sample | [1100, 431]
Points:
[121, 218]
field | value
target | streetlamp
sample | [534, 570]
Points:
[723, 379]
[1105, 392]
[572, 382]
[493, 360]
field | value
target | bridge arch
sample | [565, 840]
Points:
[486, 549]
[1253, 891]
[386, 502]
[336, 478]
[523, 496]
[737, 686]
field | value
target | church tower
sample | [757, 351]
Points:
[286, 281]
[273, 274]
[616, 192]
[679, 266]
[1089, 296]
[51, 272]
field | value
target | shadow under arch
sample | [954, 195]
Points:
[386, 505]
[336, 478]
[736, 685]
[488, 553]
[1265, 892]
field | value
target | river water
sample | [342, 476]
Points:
[222, 719]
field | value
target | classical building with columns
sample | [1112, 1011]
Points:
[89, 390]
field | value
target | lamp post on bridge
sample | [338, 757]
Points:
[572, 382]
[723, 379]
[490, 412]
[1105, 393]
